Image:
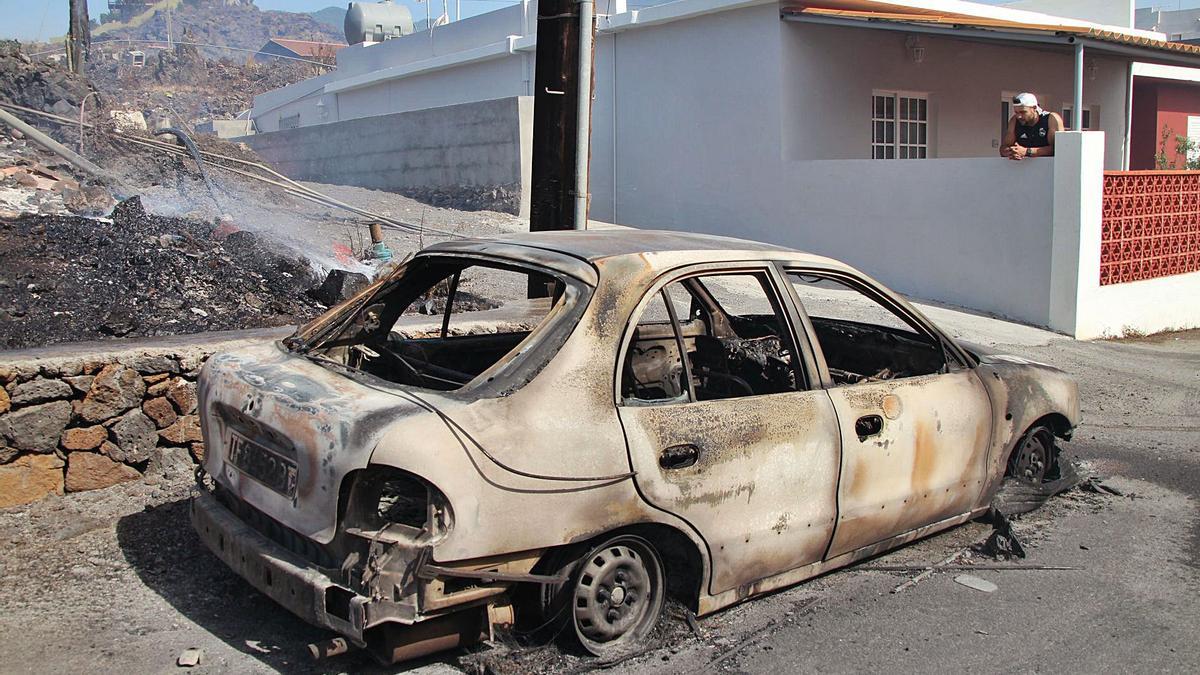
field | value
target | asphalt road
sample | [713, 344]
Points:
[116, 581]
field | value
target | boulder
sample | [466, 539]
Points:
[5, 403]
[30, 478]
[185, 430]
[80, 383]
[40, 391]
[37, 428]
[115, 390]
[90, 471]
[183, 394]
[160, 410]
[84, 438]
[150, 363]
[339, 286]
[136, 435]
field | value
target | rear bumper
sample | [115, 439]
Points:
[287, 578]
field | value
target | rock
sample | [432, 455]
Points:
[8, 454]
[40, 391]
[67, 369]
[90, 471]
[7, 374]
[183, 394]
[5, 401]
[30, 478]
[80, 383]
[160, 410]
[159, 388]
[340, 285]
[38, 427]
[198, 452]
[84, 438]
[136, 435]
[154, 379]
[169, 463]
[185, 430]
[112, 451]
[190, 658]
[115, 390]
[151, 363]
[93, 367]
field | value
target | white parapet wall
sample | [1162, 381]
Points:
[1079, 305]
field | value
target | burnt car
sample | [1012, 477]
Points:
[583, 423]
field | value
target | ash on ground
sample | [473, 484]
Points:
[73, 279]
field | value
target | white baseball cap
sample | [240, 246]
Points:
[1025, 99]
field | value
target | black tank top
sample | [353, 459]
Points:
[1035, 136]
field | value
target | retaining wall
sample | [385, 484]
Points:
[87, 416]
[469, 156]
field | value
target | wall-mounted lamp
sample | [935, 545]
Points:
[916, 51]
[1091, 70]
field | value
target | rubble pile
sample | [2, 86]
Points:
[72, 279]
[221, 23]
[38, 84]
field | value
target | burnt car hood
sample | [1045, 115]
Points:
[309, 427]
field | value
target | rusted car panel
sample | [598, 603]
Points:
[538, 456]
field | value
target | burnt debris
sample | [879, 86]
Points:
[72, 279]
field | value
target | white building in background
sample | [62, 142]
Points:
[775, 120]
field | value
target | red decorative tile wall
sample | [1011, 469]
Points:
[1151, 225]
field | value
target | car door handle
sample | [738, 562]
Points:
[679, 456]
[868, 426]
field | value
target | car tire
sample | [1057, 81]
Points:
[1034, 459]
[612, 599]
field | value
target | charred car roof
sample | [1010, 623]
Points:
[592, 246]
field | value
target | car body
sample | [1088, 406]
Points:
[393, 484]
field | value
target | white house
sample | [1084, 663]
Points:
[860, 129]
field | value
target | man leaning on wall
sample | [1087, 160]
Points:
[1031, 130]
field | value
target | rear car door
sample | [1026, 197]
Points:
[722, 427]
[914, 418]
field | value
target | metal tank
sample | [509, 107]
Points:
[376, 21]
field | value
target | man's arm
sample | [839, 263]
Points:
[1010, 137]
[1056, 125]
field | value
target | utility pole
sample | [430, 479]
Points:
[561, 108]
[79, 36]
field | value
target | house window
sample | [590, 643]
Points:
[1088, 117]
[290, 122]
[899, 125]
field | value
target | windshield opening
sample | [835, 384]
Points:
[444, 321]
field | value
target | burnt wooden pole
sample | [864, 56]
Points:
[555, 116]
[79, 36]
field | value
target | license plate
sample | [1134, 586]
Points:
[263, 465]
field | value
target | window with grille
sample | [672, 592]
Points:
[899, 126]
[1068, 117]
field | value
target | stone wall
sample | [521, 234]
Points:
[87, 416]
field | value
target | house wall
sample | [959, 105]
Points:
[1167, 105]
[965, 82]
[972, 231]
[1144, 130]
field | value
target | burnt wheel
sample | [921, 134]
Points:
[1033, 458]
[613, 598]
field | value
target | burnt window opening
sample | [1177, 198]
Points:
[731, 329]
[445, 320]
[863, 339]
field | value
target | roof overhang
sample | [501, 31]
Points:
[971, 21]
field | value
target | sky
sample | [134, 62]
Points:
[43, 19]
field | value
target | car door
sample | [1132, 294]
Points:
[721, 425]
[915, 420]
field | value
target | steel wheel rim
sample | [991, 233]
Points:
[1033, 459]
[617, 595]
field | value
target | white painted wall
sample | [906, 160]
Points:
[1108, 12]
[1080, 306]
[973, 232]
